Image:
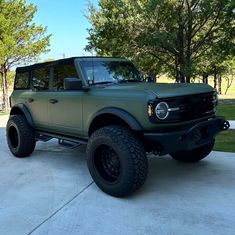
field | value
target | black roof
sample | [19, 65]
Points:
[54, 62]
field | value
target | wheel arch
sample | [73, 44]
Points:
[22, 109]
[113, 116]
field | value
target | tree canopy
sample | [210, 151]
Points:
[21, 40]
[173, 35]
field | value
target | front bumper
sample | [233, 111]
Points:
[194, 137]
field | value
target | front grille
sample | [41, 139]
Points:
[190, 107]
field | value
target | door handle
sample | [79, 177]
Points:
[30, 100]
[53, 101]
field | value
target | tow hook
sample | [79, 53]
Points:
[225, 126]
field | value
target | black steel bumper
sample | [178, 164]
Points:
[196, 136]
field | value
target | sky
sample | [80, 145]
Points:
[66, 22]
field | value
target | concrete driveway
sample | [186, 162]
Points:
[51, 192]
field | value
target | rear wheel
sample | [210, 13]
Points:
[116, 160]
[194, 155]
[20, 136]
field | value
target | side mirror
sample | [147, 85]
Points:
[72, 84]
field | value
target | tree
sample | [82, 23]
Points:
[217, 60]
[176, 33]
[21, 40]
[230, 75]
[212, 64]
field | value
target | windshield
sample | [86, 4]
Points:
[101, 72]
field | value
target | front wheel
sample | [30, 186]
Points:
[194, 155]
[116, 160]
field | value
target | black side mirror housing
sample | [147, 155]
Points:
[72, 84]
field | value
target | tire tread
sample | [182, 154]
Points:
[134, 152]
[26, 136]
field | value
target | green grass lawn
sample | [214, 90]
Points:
[3, 113]
[230, 94]
[225, 141]
[227, 110]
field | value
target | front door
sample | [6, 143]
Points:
[65, 107]
[65, 112]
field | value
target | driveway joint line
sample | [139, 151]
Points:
[58, 210]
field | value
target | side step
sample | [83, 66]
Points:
[67, 141]
[43, 138]
[68, 144]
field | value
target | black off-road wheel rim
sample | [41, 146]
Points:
[14, 137]
[107, 163]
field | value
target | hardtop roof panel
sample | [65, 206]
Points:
[60, 61]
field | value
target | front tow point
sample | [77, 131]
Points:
[225, 126]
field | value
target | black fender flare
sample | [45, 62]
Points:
[21, 108]
[125, 116]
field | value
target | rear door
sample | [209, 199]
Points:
[37, 97]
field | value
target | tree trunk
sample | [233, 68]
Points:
[151, 78]
[188, 35]
[177, 74]
[5, 98]
[188, 78]
[215, 80]
[180, 78]
[180, 56]
[219, 84]
[205, 78]
[154, 76]
[229, 82]
[227, 87]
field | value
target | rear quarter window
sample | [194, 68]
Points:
[22, 81]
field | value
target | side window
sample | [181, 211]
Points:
[40, 79]
[60, 73]
[22, 81]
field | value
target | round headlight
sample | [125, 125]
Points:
[162, 111]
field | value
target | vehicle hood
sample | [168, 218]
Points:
[163, 90]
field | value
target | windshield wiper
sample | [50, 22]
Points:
[104, 82]
[123, 81]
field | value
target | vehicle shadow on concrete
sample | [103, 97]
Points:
[169, 175]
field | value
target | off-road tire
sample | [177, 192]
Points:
[129, 157]
[194, 155]
[20, 136]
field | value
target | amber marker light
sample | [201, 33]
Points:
[150, 110]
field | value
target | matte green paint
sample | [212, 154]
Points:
[74, 111]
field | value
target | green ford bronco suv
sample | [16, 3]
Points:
[105, 103]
